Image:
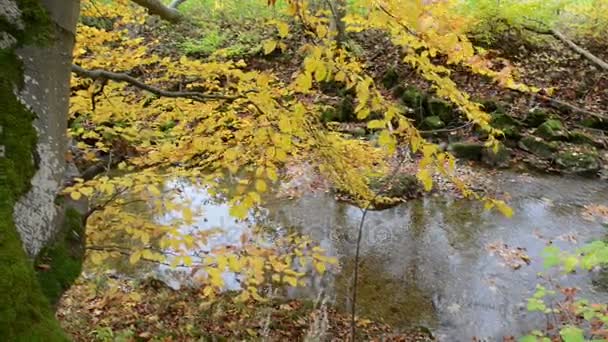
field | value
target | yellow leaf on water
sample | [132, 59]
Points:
[187, 213]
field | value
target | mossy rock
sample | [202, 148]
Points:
[595, 123]
[433, 122]
[492, 106]
[468, 151]
[507, 124]
[552, 130]
[500, 157]
[390, 78]
[577, 162]
[536, 117]
[440, 108]
[344, 111]
[403, 186]
[414, 98]
[581, 138]
[538, 147]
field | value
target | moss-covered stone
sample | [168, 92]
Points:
[440, 108]
[344, 111]
[507, 124]
[390, 78]
[492, 106]
[582, 138]
[536, 117]
[552, 130]
[433, 122]
[596, 123]
[499, 157]
[415, 99]
[538, 147]
[578, 162]
[468, 151]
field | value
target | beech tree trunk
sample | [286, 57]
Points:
[36, 42]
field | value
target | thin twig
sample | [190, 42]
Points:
[353, 326]
[122, 77]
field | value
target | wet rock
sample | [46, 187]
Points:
[442, 109]
[536, 117]
[433, 122]
[500, 157]
[538, 146]
[578, 162]
[464, 150]
[552, 130]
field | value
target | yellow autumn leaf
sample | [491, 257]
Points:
[187, 214]
[425, 177]
[283, 29]
[75, 195]
[260, 185]
[269, 46]
[134, 258]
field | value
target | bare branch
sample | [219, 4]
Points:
[176, 3]
[155, 7]
[122, 77]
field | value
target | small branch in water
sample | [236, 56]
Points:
[353, 310]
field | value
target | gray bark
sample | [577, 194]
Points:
[45, 91]
[155, 7]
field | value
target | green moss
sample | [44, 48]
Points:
[25, 313]
[60, 263]
[440, 108]
[433, 122]
[469, 151]
[538, 146]
[552, 130]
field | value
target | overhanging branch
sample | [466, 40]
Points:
[122, 77]
[155, 7]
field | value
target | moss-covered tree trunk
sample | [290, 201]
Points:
[36, 40]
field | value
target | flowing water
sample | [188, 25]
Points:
[427, 262]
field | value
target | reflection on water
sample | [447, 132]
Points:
[425, 262]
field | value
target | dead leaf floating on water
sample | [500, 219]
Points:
[512, 257]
